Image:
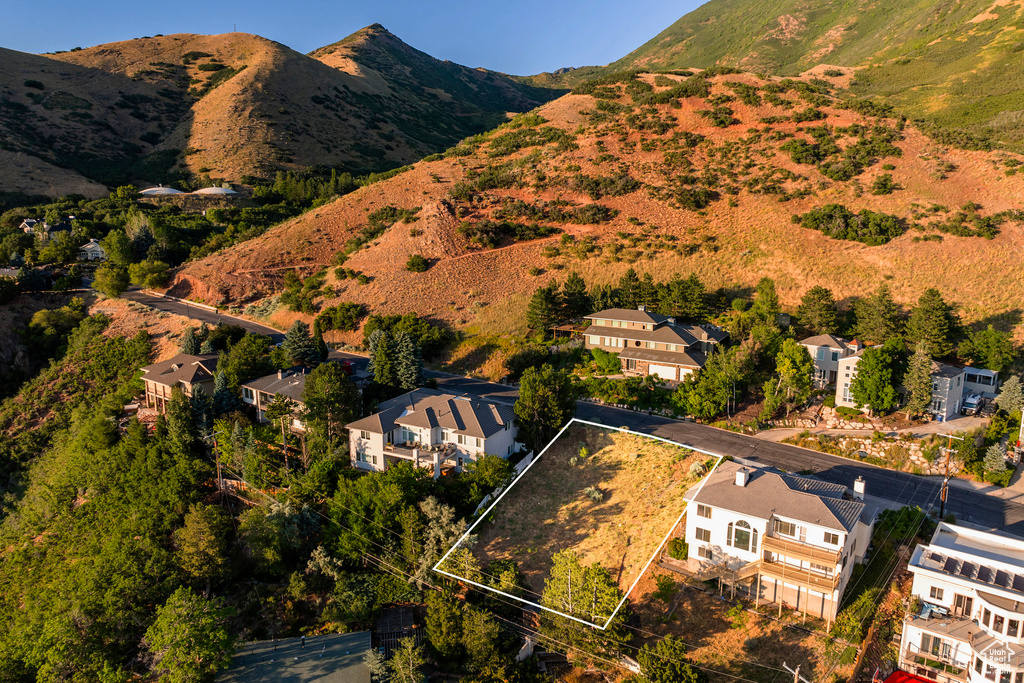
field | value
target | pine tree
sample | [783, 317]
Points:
[180, 428]
[206, 348]
[575, 301]
[385, 372]
[691, 300]
[408, 363]
[918, 381]
[995, 458]
[629, 289]
[224, 400]
[766, 306]
[372, 342]
[544, 308]
[934, 323]
[318, 339]
[299, 345]
[878, 317]
[817, 311]
[202, 412]
[648, 292]
[1011, 396]
[603, 297]
[189, 342]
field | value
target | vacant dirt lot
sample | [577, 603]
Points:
[641, 483]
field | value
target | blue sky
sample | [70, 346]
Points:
[517, 36]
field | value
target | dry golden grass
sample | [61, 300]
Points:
[642, 482]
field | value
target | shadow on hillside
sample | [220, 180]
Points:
[1004, 322]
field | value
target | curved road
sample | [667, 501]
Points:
[968, 505]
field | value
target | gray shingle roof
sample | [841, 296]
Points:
[706, 332]
[425, 408]
[689, 359]
[665, 334]
[290, 383]
[771, 493]
[829, 340]
[181, 368]
[628, 315]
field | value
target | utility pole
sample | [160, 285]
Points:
[945, 479]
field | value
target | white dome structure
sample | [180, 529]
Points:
[215, 190]
[159, 190]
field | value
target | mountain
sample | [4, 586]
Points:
[957, 65]
[666, 174]
[236, 105]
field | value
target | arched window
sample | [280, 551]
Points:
[741, 537]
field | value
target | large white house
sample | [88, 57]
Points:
[781, 537]
[968, 625]
[432, 429]
[826, 350]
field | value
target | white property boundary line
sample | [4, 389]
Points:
[643, 571]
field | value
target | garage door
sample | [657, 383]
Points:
[663, 371]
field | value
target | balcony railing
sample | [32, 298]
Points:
[801, 551]
[946, 670]
[798, 576]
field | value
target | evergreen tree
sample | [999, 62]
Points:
[279, 411]
[181, 433]
[299, 346]
[666, 662]
[603, 297]
[576, 302]
[647, 294]
[874, 385]
[372, 342]
[1011, 395]
[995, 458]
[189, 343]
[545, 308]
[206, 348]
[318, 339]
[989, 348]
[444, 625]
[629, 289]
[224, 400]
[480, 636]
[406, 662]
[766, 306]
[202, 412]
[202, 545]
[918, 381]
[817, 311]
[547, 400]
[190, 639]
[934, 323]
[331, 399]
[878, 317]
[383, 367]
[793, 382]
[408, 362]
[684, 300]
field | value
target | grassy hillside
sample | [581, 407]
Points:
[665, 174]
[229, 106]
[956, 64]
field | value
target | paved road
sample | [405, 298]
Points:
[968, 505]
[196, 313]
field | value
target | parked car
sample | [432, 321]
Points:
[972, 405]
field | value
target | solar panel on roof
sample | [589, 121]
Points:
[1002, 578]
[967, 570]
[950, 566]
[984, 574]
[1018, 584]
[935, 557]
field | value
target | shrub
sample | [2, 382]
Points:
[848, 412]
[607, 362]
[417, 264]
[666, 588]
[34, 84]
[211, 66]
[884, 184]
[838, 222]
[344, 316]
[830, 401]
[678, 549]
[593, 493]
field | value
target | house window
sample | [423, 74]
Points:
[1012, 628]
[479, 443]
[704, 552]
[1020, 677]
[846, 391]
[703, 511]
[742, 537]
[247, 393]
[977, 664]
[997, 623]
[990, 672]
[831, 538]
[822, 353]
[594, 341]
[835, 356]
[364, 435]
[785, 528]
[936, 593]
[703, 535]
[963, 605]
[462, 439]
[821, 569]
[986, 616]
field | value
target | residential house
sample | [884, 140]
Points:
[43, 230]
[92, 251]
[431, 428]
[826, 350]
[652, 344]
[183, 371]
[981, 381]
[948, 384]
[783, 538]
[967, 624]
[291, 384]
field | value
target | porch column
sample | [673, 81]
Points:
[437, 465]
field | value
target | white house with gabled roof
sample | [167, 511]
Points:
[784, 538]
[826, 351]
[967, 625]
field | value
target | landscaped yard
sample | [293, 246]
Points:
[610, 496]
